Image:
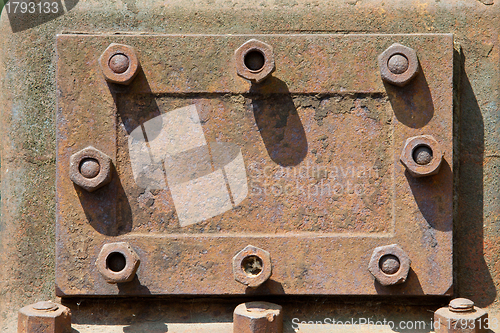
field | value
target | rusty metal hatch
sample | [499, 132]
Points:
[309, 162]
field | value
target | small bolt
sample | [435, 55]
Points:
[398, 64]
[119, 63]
[118, 262]
[461, 305]
[254, 61]
[89, 168]
[45, 306]
[252, 265]
[422, 155]
[389, 264]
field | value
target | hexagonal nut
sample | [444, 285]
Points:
[97, 166]
[398, 64]
[252, 266]
[380, 254]
[119, 63]
[256, 317]
[469, 319]
[118, 262]
[46, 317]
[254, 60]
[409, 159]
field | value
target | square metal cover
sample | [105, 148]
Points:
[304, 166]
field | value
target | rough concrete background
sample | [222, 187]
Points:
[28, 99]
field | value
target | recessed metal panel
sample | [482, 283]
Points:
[305, 165]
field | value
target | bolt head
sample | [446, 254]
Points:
[257, 317]
[422, 155]
[131, 262]
[398, 65]
[119, 63]
[389, 264]
[417, 159]
[44, 317]
[45, 306]
[90, 169]
[245, 65]
[245, 272]
[461, 305]
[385, 273]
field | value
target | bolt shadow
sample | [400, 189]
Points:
[412, 104]
[278, 122]
[270, 287]
[114, 216]
[151, 314]
[434, 206]
[146, 328]
[21, 19]
[133, 287]
[136, 104]
[107, 209]
[412, 284]
[473, 279]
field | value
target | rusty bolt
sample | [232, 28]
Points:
[257, 317]
[44, 317]
[118, 262]
[398, 64]
[460, 316]
[254, 60]
[119, 63]
[252, 266]
[90, 168]
[461, 305]
[389, 265]
[422, 156]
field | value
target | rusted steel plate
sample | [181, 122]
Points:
[305, 166]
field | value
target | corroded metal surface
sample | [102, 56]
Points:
[28, 155]
[319, 140]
